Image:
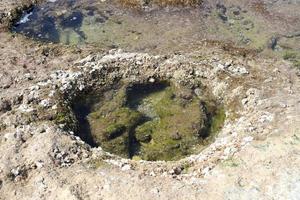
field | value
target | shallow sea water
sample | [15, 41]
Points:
[109, 25]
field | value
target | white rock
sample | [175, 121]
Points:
[244, 101]
[206, 170]
[15, 171]
[238, 70]
[25, 108]
[267, 117]
[39, 164]
[51, 94]
[45, 103]
[151, 80]
[126, 167]
[247, 140]
[228, 63]
[220, 66]
[152, 174]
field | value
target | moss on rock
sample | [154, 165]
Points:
[157, 121]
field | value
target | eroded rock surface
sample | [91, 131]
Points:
[255, 155]
[253, 113]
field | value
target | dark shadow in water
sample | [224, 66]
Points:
[136, 93]
[48, 29]
[84, 132]
[74, 22]
[133, 144]
[41, 27]
[44, 27]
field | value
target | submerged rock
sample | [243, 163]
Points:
[153, 121]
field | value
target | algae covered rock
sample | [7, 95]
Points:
[173, 132]
[151, 121]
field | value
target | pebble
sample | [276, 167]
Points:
[247, 140]
[245, 101]
[126, 167]
[5, 106]
[45, 103]
[238, 70]
[28, 76]
[39, 164]
[15, 171]
[228, 63]
[151, 80]
[152, 174]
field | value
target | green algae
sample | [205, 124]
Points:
[159, 121]
[292, 56]
[218, 120]
[174, 131]
[231, 162]
[113, 131]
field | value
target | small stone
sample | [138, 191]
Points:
[252, 128]
[15, 171]
[177, 170]
[246, 140]
[231, 22]
[52, 93]
[18, 99]
[144, 138]
[241, 182]
[85, 155]
[243, 71]
[171, 171]
[206, 170]
[198, 92]
[176, 136]
[6, 86]
[283, 105]
[5, 106]
[45, 103]
[152, 174]
[268, 117]
[228, 63]
[238, 70]
[54, 107]
[151, 80]
[42, 130]
[155, 190]
[244, 101]
[28, 76]
[126, 167]
[39, 164]
[220, 66]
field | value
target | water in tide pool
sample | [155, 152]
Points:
[108, 24]
[58, 21]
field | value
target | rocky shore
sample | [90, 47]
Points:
[254, 156]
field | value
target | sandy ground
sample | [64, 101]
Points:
[255, 156]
